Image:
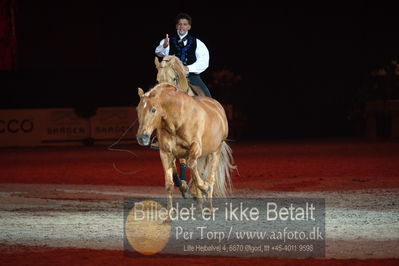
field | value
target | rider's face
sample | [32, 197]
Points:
[183, 26]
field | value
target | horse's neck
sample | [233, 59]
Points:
[182, 79]
[183, 84]
[173, 106]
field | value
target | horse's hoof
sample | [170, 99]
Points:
[167, 220]
[206, 191]
[186, 193]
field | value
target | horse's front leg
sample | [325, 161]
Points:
[167, 163]
[194, 154]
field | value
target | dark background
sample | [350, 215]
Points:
[301, 65]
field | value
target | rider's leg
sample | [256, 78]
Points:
[196, 80]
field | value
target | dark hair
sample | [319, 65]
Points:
[183, 16]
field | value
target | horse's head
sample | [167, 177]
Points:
[171, 70]
[149, 113]
[166, 71]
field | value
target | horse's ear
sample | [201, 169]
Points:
[140, 92]
[156, 62]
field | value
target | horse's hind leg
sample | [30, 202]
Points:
[181, 181]
[199, 198]
[176, 178]
[184, 186]
[213, 160]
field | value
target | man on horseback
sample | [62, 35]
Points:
[190, 50]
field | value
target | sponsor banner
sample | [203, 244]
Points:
[113, 123]
[20, 127]
[63, 125]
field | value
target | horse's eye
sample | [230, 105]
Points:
[153, 110]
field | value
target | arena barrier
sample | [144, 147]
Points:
[62, 126]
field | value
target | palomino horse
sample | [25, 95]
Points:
[171, 70]
[193, 128]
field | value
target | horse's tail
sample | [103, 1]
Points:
[222, 187]
[223, 172]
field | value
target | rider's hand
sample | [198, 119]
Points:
[166, 41]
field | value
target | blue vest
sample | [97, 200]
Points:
[186, 54]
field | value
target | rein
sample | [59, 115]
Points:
[176, 78]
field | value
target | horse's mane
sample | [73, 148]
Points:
[162, 86]
[155, 91]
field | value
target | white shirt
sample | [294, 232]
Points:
[201, 52]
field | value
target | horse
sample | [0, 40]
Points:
[191, 128]
[171, 70]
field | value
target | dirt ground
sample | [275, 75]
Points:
[49, 197]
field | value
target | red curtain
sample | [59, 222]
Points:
[8, 40]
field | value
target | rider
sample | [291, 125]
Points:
[195, 57]
[190, 50]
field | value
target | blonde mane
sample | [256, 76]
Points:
[159, 88]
